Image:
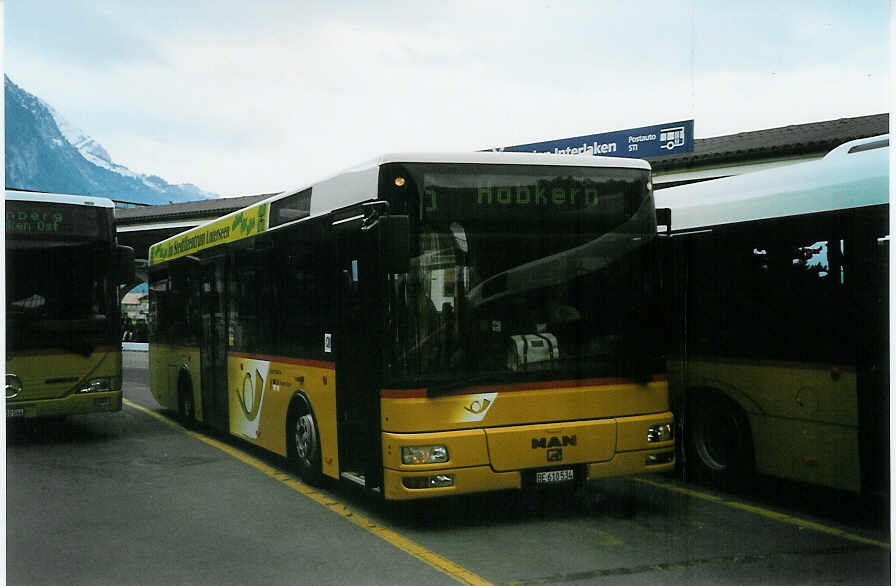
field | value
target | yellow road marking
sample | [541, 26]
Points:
[433, 559]
[767, 513]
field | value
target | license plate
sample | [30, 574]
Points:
[15, 412]
[552, 476]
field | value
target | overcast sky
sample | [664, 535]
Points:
[254, 97]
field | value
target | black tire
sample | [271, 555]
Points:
[186, 410]
[719, 441]
[303, 444]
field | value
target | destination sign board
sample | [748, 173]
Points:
[647, 141]
[50, 219]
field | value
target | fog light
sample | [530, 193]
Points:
[654, 459]
[103, 383]
[424, 454]
[659, 433]
[441, 480]
[436, 481]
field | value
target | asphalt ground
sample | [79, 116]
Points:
[134, 498]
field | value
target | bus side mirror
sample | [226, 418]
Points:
[126, 269]
[395, 243]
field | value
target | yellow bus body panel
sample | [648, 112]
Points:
[520, 405]
[803, 417]
[512, 448]
[166, 363]
[493, 436]
[51, 382]
[259, 392]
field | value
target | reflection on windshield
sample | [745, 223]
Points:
[488, 300]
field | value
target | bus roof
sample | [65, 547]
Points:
[353, 186]
[84, 200]
[855, 174]
[515, 158]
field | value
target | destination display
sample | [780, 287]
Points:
[612, 194]
[46, 219]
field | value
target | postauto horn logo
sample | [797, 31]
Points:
[246, 402]
[250, 395]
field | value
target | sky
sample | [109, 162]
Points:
[244, 98]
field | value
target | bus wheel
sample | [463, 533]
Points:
[719, 443]
[304, 447]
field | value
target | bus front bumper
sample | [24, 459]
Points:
[433, 464]
[75, 404]
[405, 485]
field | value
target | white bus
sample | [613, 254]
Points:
[782, 306]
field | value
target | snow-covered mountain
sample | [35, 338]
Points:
[45, 152]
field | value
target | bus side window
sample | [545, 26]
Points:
[767, 297]
[268, 326]
[299, 311]
[158, 300]
[181, 307]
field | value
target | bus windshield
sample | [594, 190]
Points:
[526, 273]
[58, 285]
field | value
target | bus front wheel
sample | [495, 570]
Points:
[719, 442]
[304, 446]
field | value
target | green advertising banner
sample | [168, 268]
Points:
[230, 228]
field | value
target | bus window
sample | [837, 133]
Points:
[781, 299]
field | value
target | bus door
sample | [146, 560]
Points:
[212, 349]
[357, 348]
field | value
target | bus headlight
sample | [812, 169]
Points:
[659, 433]
[101, 384]
[424, 454]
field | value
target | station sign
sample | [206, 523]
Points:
[647, 141]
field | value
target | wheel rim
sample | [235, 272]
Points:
[305, 438]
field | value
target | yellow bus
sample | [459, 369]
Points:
[427, 324]
[782, 283]
[63, 341]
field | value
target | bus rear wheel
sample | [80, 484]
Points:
[304, 446]
[719, 442]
